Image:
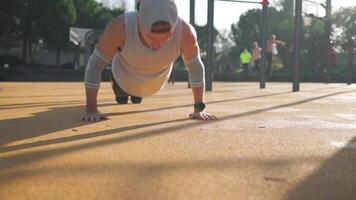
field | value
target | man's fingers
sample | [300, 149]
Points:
[202, 116]
[211, 117]
[94, 117]
[191, 115]
[197, 116]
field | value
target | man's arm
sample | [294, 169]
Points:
[112, 38]
[191, 57]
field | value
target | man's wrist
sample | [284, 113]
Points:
[91, 109]
[200, 106]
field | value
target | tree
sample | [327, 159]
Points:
[202, 34]
[59, 16]
[25, 21]
[247, 30]
[9, 23]
[345, 22]
[86, 13]
[313, 44]
[224, 61]
[92, 14]
[30, 20]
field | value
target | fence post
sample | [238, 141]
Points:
[264, 43]
[350, 51]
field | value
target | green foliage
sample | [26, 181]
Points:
[24, 22]
[92, 14]
[9, 24]
[247, 30]
[287, 8]
[345, 21]
[202, 34]
[313, 44]
[54, 19]
[60, 15]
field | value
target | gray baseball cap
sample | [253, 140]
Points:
[152, 11]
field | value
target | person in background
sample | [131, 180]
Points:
[245, 59]
[272, 44]
[256, 57]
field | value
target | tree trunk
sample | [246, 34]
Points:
[58, 59]
[30, 45]
[24, 50]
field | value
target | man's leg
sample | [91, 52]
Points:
[245, 66]
[135, 99]
[121, 96]
[269, 61]
[257, 65]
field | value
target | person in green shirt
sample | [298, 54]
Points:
[245, 58]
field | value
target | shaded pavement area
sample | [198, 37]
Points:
[266, 144]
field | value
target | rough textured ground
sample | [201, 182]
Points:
[267, 144]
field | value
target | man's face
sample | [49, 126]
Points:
[156, 40]
[159, 35]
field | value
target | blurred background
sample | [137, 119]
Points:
[51, 40]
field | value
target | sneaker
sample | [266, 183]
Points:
[136, 100]
[122, 100]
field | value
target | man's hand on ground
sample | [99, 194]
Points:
[94, 117]
[202, 116]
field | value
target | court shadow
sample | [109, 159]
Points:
[74, 137]
[28, 157]
[46, 122]
[45, 104]
[62, 118]
[335, 178]
[39, 104]
[155, 169]
[41, 123]
[48, 95]
[56, 119]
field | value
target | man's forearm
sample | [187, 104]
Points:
[91, 95]
[198, 93]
